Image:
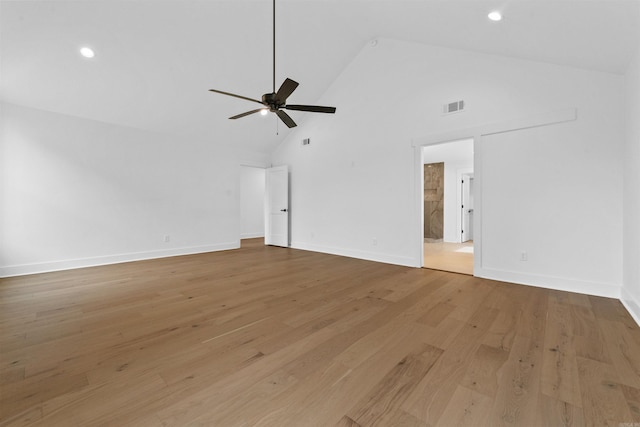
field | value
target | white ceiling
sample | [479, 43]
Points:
[155, 60]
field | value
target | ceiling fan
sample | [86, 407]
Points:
[277, 101]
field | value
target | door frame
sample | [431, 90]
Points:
[419, 159]
[461, 175]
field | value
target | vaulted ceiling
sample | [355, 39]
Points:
[155, 60]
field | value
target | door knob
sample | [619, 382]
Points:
[283, 210]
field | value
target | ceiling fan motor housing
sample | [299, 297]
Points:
[269, 99]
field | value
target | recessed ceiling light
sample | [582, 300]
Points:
[264, 111]
[495, 16]
[87, 52]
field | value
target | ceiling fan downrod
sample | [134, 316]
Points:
[274, 46]
[276, 102]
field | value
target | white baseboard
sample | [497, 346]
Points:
[631, 304]
[45, 267]
[548, 282]
[251, 235]
[351, 253]
[551, 282]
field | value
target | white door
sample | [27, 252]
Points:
[277, 206]
[467, 208]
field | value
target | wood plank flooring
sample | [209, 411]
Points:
[265, 336]
[448, 257]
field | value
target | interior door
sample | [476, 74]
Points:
[277, 206]
[467, 209]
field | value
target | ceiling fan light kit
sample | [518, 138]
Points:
[275, 102]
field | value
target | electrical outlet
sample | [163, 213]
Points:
[167, 238]
[374, 242]
[523, 256]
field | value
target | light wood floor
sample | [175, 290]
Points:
[265, 336]
[447, 257]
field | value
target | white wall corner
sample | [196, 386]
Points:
[631, 304]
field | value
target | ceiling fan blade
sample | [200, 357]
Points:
[286, 119]
[246, 114]
[287, 88]
[234, 95]
[311, 108]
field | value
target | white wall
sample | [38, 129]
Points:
[631, 219]
[78, 192]
[457, 157]
[553, 198]
[356, 182]
[252, 182]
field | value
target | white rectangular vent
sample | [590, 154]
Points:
[453, 107]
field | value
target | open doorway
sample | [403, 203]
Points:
[448, 206]
[252, 192]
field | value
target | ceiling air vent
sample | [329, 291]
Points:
[453, 107]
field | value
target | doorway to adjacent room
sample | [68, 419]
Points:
[448, 206]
